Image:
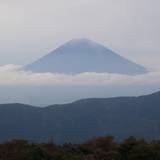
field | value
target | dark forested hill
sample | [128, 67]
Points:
[75, 122]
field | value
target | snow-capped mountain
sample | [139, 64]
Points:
[83, 55]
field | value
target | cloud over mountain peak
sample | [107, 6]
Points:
[83, 55]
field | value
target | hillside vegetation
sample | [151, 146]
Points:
[84, 119]
[101, 148]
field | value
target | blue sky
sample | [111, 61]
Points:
[31, 29]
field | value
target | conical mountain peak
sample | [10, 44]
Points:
[80, 40]
[81, 43]
[83, 55]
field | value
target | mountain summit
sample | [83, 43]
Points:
[83, 55]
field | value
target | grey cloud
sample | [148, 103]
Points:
[31, 29]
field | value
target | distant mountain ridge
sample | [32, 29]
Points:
[83, 55]
[83, 119]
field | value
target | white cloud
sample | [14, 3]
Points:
[14, 75]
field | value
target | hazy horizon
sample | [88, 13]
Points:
[32, 29]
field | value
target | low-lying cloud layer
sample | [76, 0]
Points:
[14, 75]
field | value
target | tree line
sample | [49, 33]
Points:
[101, 148]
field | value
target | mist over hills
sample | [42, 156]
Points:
[83, 119]
[83, 55]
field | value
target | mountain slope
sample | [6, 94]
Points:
[121, 117]
[83, 55]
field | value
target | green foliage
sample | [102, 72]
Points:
[101, 148]
[132, 149]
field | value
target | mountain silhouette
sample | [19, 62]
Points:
[83, 55]
[83, 119]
